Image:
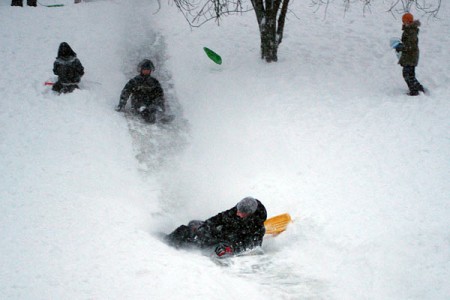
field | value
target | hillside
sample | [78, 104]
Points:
[327, 134]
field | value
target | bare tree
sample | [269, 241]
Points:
[271, 15]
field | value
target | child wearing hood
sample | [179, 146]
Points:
[409, 48]
[68, 68]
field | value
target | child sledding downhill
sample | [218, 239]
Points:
[409, 49]
[68, 68]
[230, 232]
[147, 95]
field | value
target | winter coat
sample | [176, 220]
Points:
[227, 227]
[410, 41]
[67, 66]
[144, 91]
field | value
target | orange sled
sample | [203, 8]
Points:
[277, 224]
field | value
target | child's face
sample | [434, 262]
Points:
[242, 215]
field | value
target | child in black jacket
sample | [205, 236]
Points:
[228, 233]
[68, 68]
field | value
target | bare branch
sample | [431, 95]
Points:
[428, 7]
[198, 12]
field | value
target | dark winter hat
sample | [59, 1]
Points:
[64, 50]
[407, 18]
[146, 64]
[247, 205]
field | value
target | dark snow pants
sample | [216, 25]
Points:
[20, 3]
[409, 74]
[183, 237]
[64, 87]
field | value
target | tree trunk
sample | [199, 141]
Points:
[17, 3]
[270, 29]
[269, 43]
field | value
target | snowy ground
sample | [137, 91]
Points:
[326, 134]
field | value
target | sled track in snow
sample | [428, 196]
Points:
[281, 280]
[154, 145]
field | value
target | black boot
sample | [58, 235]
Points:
[17, 3]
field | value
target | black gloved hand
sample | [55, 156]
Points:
[223, 250]
[400, 47]
[119, 107]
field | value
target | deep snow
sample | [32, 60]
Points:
[326, 134]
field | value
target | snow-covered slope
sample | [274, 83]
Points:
[326, 134]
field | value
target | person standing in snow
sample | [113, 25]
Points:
[68, 68]
[147, 95]
[230, 232]
[409, 48]
[20, 3]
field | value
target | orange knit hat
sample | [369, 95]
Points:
[407, 18]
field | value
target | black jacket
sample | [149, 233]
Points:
[226, 227]
[144, 91]
[67, 66]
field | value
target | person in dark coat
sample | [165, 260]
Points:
[147, 95]
[228, 233]
[409, 48]
[68, 68]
